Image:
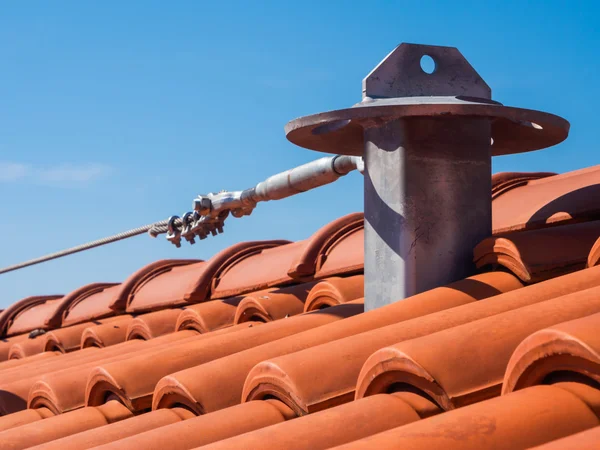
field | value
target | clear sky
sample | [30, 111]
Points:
[117, 114]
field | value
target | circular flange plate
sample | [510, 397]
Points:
[514, 130]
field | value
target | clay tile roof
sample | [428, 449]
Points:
[273, 304]
[332, 250]
[572, 347]
[208, 316]
[435, 369]
[585, 440]
[334, 291]
[153, 324]
[538, 255]
[511, 421]
[505, 181]
[174, 286]
[267, 344]
[106, 334]
[83, 304]
[123, 295]
[14, 313]
[548, 200]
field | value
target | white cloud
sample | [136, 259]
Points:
[63, 174]
[10, 171]
[69, 173]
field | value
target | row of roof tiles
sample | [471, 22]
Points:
[543, 199]
[512, 341]
[436, 369]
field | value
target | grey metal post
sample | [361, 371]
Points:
[427, 140]
[427, 204]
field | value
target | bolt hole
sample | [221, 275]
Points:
[427, 64]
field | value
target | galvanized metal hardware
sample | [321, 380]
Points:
[211, 210]
[427, 141]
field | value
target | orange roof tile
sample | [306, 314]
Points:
[572, 347]
[334, 291]
[195, 387]
[136, 391]
[549, 200]
[585, 440]
[273, 304]
[523, 419]
[484, 346]
[200, 355]
[339, 363]
[534, 256]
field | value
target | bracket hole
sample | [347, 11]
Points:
[428, 64]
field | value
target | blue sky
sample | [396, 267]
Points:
[117, 114]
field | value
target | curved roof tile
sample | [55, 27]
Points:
[12, 313]
[334, 291]
[88, 304]
[503, 182]
[572, 347]
[485, 346]
[121, 299]
[538, 255]
[175, 286]
[273, 304]
[549, 200]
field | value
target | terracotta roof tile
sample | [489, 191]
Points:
[503, 182]
[7, 343]
[27, 314]
[520, 420]
[23, 417]
[106, 334]
[12, 363]
[64, 390]
[571, 347]
[119, 430]
[153, 324]
[95, 305]
[62, 339]
[220, 425]
[344, 255]
[27, 347]
[550, 200]
[585, 440]
[55, 427]
[190, 283]
[127, 289]
[484, 346]
[16, 383]
[89, 302]
[136, 391]
[197, 388]
[273, 304]
[241, 277]
[316, 256]
[334, 291]
[335, 249]
[338, 363]
[394, 375]
[69, 339]
[535, 256]
[344, 423]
